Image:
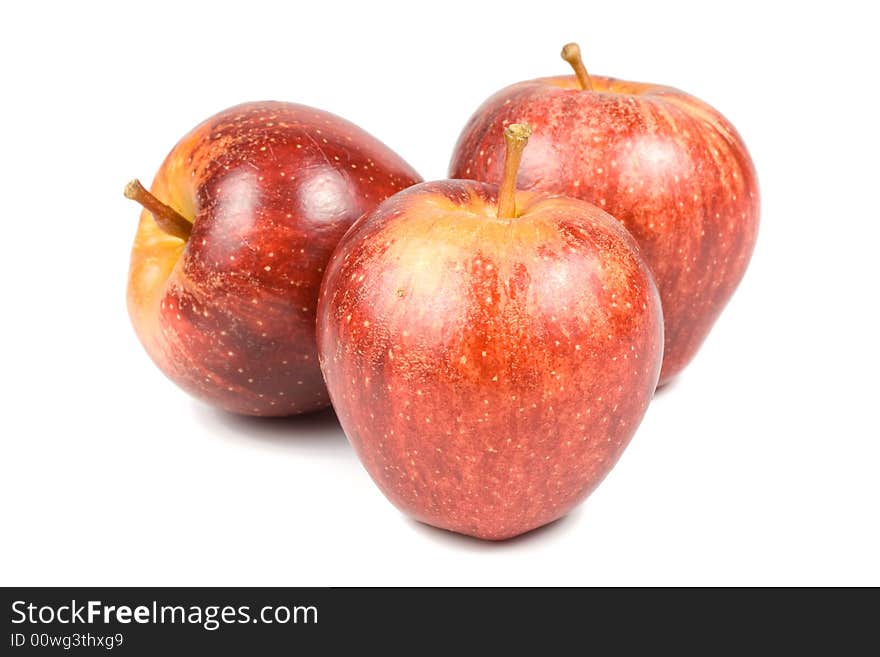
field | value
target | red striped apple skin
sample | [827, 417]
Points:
[667, 165]
[489, 372]
[229, 314]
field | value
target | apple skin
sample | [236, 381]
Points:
[668, 166]
[270, 187]
[488, 372]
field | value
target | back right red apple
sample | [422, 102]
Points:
[667, 165]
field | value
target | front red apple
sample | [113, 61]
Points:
[488, 370]
[226, 265]
[665, 164]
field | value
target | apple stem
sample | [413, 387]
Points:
[517, 136]
[166, 217]
[571, 53]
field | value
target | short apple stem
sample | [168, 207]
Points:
[571, 53]
[517, 136]
[166, 217]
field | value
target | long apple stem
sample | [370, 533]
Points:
[517, 136]
[167, 218]
[571, 52]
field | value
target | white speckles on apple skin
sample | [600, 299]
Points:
[469, 358]
[666, 165]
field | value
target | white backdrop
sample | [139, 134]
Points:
[758, 466]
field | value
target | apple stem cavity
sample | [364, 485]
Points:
[516, 135]
[571, 52]
[166, 217]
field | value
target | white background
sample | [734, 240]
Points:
[760, 465]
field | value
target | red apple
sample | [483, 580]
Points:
[667, 165]
[489, 353]
[231, 247]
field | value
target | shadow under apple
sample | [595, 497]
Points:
[461, 541]
[668, 387]
[319, 431]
